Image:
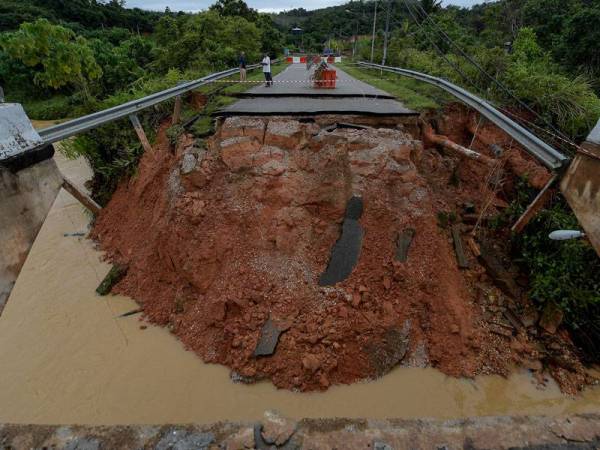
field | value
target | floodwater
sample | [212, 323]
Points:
[66, 358]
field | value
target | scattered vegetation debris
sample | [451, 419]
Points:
[114, 275]
[445, 219]
[496, 270]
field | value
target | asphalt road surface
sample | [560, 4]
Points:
[293, 93]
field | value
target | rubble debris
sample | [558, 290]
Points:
[497, 271]
[474, 247]
[551, 318]
[183, 439]
[76, 234]
[269, 337]
[404, 240]
[131, 313]
[513, 319]
[352, 126]
[386, 355]
[115, 274]
[247, 234]
[277, 430]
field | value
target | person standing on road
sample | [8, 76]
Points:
[242, 66]
[266, 65]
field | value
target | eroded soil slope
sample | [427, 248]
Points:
[222, 235]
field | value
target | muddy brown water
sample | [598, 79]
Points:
[66, 358]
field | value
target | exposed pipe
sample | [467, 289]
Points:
[438, 139]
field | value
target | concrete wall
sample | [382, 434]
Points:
[536, 433]
[25, 199]
[581, 187]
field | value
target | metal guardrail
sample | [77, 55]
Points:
[76, 126]
[550, 157]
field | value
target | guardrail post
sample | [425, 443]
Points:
[177, 111]
[140, 132]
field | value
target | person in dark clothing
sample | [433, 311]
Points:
[242, 66]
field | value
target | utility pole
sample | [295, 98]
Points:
[374, 25]
[387, 32]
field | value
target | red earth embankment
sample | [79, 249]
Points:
[222, 235]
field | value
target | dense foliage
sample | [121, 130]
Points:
[63, 58]
[561, 273]
[67, 58]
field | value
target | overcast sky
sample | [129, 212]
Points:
[261, 5]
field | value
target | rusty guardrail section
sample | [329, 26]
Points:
[581, 187]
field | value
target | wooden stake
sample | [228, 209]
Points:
[538, 203]
[140, 132]
[177, 111]
[82, 197]
[463, 262]
[474, 247]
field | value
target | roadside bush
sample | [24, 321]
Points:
[565, 273]
[113, 151]
[57, 107]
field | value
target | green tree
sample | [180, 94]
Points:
[580, 39]
[58, 57]
[235, 8]
[208, 41]
[431, 6]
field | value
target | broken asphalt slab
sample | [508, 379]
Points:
[269, 337]
[346, 251]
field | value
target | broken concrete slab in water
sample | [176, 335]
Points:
[345, 252]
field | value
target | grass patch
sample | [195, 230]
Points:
[414, 94]
[53, 108]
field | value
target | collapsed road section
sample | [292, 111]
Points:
[226, 240]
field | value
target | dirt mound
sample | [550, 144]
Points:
[223, 235]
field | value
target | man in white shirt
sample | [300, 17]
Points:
[266, 65]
